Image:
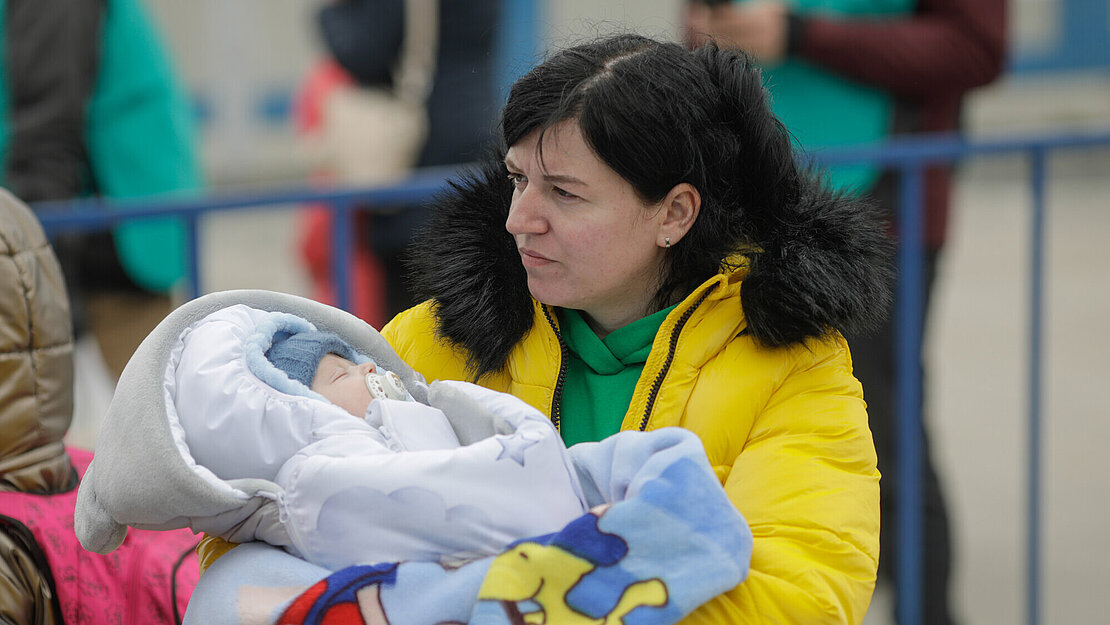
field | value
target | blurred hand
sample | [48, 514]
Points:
[695, 23]
[758, 27]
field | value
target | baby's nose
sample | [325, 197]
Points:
[367, 367]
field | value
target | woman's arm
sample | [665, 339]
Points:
[946, 46]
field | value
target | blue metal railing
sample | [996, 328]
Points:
[909, 156]
[96, 214]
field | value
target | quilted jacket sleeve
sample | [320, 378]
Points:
[806, 481]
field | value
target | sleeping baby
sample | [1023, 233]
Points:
[265, 395]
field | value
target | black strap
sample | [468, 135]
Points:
[173, 580]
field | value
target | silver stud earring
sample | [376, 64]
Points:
[668, 242]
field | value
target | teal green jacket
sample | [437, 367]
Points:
[137, 131]
[822, 109]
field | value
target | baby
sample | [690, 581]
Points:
[206, 432]
[267, 396]
[326, 364]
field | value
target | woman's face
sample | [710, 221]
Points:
[585, 238]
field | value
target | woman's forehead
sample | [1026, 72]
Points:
[562, 146]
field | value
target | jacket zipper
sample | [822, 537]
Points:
[657, 384]
[556, 399]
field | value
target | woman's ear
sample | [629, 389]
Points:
[681, 208]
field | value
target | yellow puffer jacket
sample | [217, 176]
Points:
[785, 428]
[751, 361]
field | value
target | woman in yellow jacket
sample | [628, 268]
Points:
[649, 254]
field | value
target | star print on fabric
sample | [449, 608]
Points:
[513, 447]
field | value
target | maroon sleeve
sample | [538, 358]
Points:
[945, 47]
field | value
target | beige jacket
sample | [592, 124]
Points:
[36, 396]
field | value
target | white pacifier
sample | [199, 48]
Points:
[385, 386]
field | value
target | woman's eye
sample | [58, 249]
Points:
[518, 180]
[563, 194]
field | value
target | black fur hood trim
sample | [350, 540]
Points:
[823, 264]
[826, 263]
[467, 262]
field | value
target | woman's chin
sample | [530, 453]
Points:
[543, 293]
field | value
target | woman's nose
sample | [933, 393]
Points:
[526, 214]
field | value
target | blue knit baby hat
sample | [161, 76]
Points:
[299, 354]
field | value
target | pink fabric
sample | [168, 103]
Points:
[131, 585]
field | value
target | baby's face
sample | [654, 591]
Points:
[343, 383]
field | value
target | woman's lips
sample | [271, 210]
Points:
[533, 259]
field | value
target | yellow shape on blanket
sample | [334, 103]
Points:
[545, 574]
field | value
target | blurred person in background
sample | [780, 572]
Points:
[46, 578]
[364, 40]
[92, 107]
[924, 63]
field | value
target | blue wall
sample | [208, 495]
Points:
[1081, 42]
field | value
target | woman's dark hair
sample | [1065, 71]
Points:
[660, 115]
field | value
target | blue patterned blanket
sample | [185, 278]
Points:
[661, 539]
